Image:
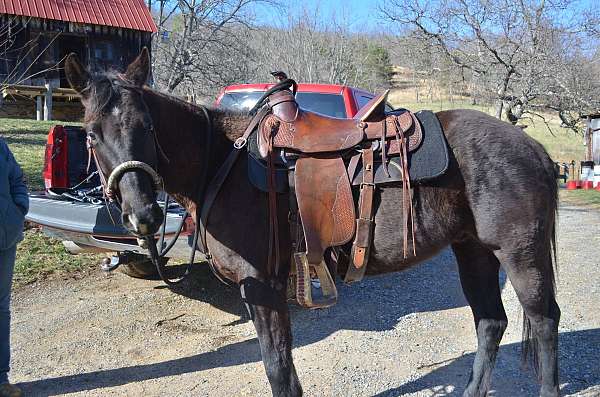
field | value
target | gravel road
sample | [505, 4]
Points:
[405, 334]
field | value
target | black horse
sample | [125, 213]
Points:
[495, 205]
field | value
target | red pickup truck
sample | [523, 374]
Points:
[71, 208]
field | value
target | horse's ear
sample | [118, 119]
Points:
[76, 73]
[138, 71]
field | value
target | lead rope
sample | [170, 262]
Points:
[107, 199]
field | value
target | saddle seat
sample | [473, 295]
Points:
[291, 127]
[305, 132]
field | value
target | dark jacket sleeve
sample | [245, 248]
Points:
[18, 189]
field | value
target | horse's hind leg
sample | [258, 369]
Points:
[532, 277]
[267, 304]
[478, 268]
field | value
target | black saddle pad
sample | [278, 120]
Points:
[428, 161]
[258, 170]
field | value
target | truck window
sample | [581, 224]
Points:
[242, 101]
[363, 100]
[327, 104]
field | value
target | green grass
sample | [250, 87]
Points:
[562, 144]
[587, 198]
[39, 256]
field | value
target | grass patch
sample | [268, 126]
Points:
[27, 140]
[562, 144]
[586, 198]
[39, 256]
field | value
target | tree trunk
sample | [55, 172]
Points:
[499, 106]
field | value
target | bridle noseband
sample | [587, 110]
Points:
[117, 173]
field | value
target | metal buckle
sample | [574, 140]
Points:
[240, 142]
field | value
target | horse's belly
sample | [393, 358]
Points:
[436, 226]
[390, 258]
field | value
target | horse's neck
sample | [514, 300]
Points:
[182, 129]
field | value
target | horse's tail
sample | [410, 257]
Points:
[529, 344]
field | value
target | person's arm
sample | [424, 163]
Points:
[18, 189]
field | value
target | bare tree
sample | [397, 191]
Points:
[512, 48]
[317, 48]
[202, 45]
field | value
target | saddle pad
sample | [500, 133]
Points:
[258, 173]
[429, 161]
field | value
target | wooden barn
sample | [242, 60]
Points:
[36, 36]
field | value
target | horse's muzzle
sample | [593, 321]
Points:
[143, 222]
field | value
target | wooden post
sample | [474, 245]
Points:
[48, 102]
[38, 108]
[589, 143]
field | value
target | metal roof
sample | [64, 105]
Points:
[128, 14]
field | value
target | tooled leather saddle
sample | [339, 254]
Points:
[322, 155]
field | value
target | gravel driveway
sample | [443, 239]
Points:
[405, 334]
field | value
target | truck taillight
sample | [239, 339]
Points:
[55, 171]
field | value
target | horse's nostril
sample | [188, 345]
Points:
[144, 222]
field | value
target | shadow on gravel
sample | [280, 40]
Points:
[577, 357]
[381, 300]
[230, 355]
[578, 363]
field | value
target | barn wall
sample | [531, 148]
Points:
[25, 109]
[46, 43]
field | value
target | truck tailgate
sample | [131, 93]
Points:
[86, 218]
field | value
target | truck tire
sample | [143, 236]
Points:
[143, 269]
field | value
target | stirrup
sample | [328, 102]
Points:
[304, 285]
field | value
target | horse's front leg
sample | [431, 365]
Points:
[267, 305]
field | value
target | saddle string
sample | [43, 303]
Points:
[273, 221]
[410, 201]
[383, 149]
[407, 210]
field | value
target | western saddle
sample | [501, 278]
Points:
[323, 154]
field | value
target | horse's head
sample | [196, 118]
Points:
[121, 135]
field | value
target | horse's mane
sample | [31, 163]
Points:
[105, 88]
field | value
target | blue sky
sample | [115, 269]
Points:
[362, 14]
